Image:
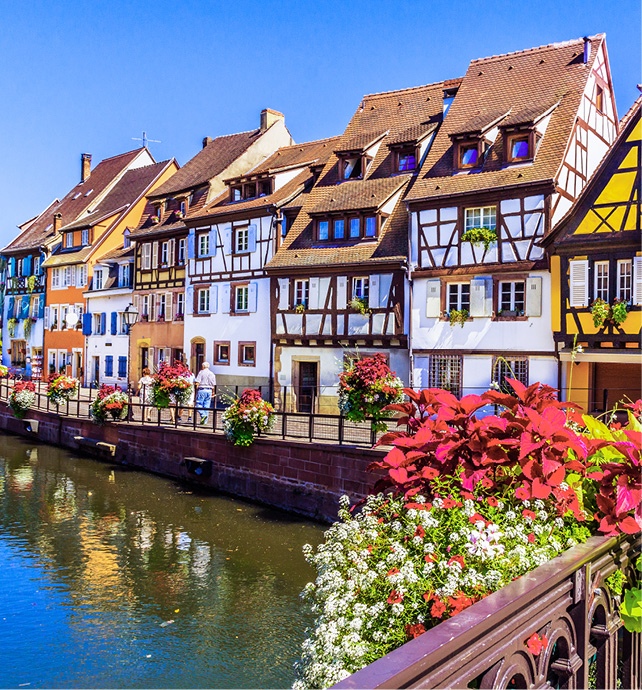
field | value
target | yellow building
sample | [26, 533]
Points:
[596, 267]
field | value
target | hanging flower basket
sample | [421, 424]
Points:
[480, 237]
[366, 387]
[62, 389]
[171, 385]
[22, 398]
[4, 371]
[12, 324]
[246, 417]
[458, 316]
[110, 402]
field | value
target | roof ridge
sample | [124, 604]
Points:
[308, 143]
[630, 112]
[235, 134]
[118, 155]
[548, 46]
[412, 88]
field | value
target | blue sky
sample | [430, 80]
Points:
[88, 76]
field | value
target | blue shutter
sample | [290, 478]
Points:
[191, 248]
[114, 323]
[26, 266]
[24, 307]
[86, 324]
[109, 365]
[10, 311]
[41, 307]
[251, 238]
[252, 296]
[213, 236]
[43, 256]
[12, 266]
[122, 367]
[103, 323]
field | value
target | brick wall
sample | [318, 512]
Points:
[306, 478]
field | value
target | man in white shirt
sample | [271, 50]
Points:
[206, 382]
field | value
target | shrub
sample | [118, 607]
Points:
[246, 417]
[22, 398]
[366, 387]
[172, 384]
[62, 389]
[110, 402]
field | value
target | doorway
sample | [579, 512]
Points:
[96, 369]
[307, 390]
[197, 356]
[144, 360]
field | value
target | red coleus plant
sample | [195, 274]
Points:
[527, 445]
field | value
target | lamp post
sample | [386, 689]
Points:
[130, 317]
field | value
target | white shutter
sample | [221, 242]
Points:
[136, 303]
[385, 283]
[284, 294]
[225, 306]
[169, 304]
[373, 292]
[433, 298]
[155, 255]
[342, 292]
[227, 239]
[637, 280]
[213, 298]
[252, 297]
[152, 313]
[579, 295]
[171, 252]
[313, 293]
[480, 303]
[533, 306]
[189, 300]
[213, 241]
[46, 317]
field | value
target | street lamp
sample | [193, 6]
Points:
[130, 317]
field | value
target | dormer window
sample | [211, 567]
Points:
[468, 155]
[265, 187]
[520, 146]
[352, 168]
[339, 229]
[407, 160]
[183, 207]
[348, 227]
[84, 237]
[159, 212]
[249, 191]
[236, 193]
[69, 240]
[98, 280]
[322, 231]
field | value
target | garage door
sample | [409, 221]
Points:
[616, 381]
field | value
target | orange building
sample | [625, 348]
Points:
[120, 185]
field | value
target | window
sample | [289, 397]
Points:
[511, 298]
[35, 306]
[625, 280]
[371, 226]
[509, 368]
[247, 354]
[127, 242]
[204, 301]
[123, 328]
[284, 226]
[84, 237]
[360, 288]
[242, 239]
[445, 372]
[355, 227]
[249, 190]
[484, 217]
[265, 187]
[36, 265]
[468, 155]
[160, 306]
[181, 251]
[81, 275]
[458, 297]
[241, 298]
[159, 211]
[146, 258]
[599, 98]
[301, 292]
[124, 275]
[519, 148]
[352, 168]
[338, 229]
[69, 240]
[602, 280]
[145, 310]
[183, 207]
[180, 305]
[407, 161]
[236, 193]
[54, 318]
[204, 244]
[165, 253]
[96, 324]
[55, 278]
[98, 280]
[323, 229]
[222, 353]
[69, 276]
[109, 365]
[80, 310]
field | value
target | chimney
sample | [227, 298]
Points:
[57, 222]
[207, 140]
[85, 166]
[269, 117]
[587, 49]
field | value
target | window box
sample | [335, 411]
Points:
[178, 317]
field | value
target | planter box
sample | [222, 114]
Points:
[484, 646]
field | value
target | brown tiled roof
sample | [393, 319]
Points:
[359, 141]
[526, 115]
[170, 222]
[481, 121]
[394, 112]
[359, 194]
[129, 189]
[64, 258]
[72, 205]
[209, 162]
[412, 134]
[528, 83]
[117, 255]
[310, 153]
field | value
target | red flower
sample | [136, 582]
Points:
[392, 571]
[457, 559]
[476, 518]
[531, 538]
[428, 596]
[413, 631]
[438, 609]
[448, 503]
[522, 494]
[536, 644]
[492, 501]
[459, 603]
[420, 532]
[528, 514]
[395, 597]
[430, 558]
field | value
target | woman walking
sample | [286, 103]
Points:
[145, 393]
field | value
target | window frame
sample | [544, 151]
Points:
[199, 299]
[84, 237]
[599, 98]
[304, 284]
[406, 152]
[512, 298]
[164, 253]
[364, 282]
[482, 223]
[242, 247]
[69, 240]
[629, 276]
[202, 239]
[457, 360]
[98, 278]
[598, 277]
[216, 351]
[347, 218]
[459, 284]
[181, 251]
[512, 137]
[460, 149]
[242, 361]
[522, 373]
[235, 293]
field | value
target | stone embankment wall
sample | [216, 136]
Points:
[305, 478]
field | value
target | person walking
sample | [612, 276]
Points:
[145, 392]
[206, 381]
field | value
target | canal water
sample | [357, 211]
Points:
[112, 578]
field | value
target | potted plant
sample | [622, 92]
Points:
[171, 385]
[619, 312]
[179, 214]
[11, 327]
[480, 237]
[110, 402]
[600, 311]
[459, 316]
[4, 371]
[27, 327]
[62, 389]
[360, 306]
[31, 283]
[246, 417]
[154, 219]
[300, 308]
[22, 398]
[445, 527]
[366, 387]
[179, 316]
[53, 326]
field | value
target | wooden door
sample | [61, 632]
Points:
[307, 386]
[615, 381]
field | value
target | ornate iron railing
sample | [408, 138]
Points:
[566, 599]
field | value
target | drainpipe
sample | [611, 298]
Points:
[411, 364]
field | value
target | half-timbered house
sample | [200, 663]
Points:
[338, 285]
[522, 134]
[596, 269]
[160, 240]
[230, 241]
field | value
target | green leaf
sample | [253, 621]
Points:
[597, 429]
[631, 609]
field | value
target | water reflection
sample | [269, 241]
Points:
[95, 559]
